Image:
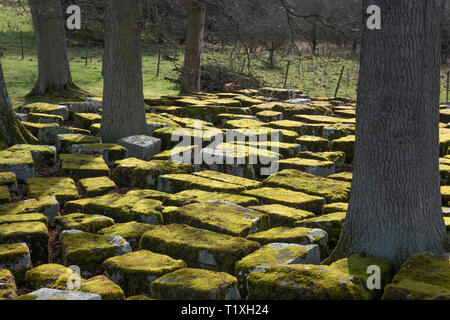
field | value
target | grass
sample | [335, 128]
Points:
[317, 76]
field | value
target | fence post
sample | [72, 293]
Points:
[287, 74]
[159, 62]
[21, 44]
[339, 82]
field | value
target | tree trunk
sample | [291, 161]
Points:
[11, 129]
[395, 207]
[53, 64]
[194, 44]
[123, 98]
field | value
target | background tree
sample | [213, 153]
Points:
[11, 129]
[395, 207]
[190, 81]
[53, 64]
[123, 98]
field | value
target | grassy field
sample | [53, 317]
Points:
[317, 76]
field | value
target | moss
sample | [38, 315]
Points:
[422, 276]
[166, 134]
[268, 255]
[228, 178]
[95, 129]
[135, 271]
[243, 124]
[36, 128]
[296, 235]
[30, 217]
[287, 197]
[269, 116]
[5, 196]
[88, 250]
[8, 287]
[121, 208]
[219, 216]
[16, 258]
[41, 107]
[133, 172]
[8, 179]
[178, 182]
[346, 145]
[314, 144]
[343, 176]
[303, 282]
[131, 231]
[198, 247]
[81, 166]
[64, 189]
[332, 223]
[177, 152]
[83, 222]
[335, 207]
[8, 157]
[150, 194]
[94, 187]
[65, 141]
[111, 152]
[324, 119]
[286, 125]
[139, 297]
[42, 204]
[333, 156]
[34, 234]
[248, 101]
[86, 120]
[104, 287]
[287, 150]
[331, 190]
[327, 131]
[48, 276]
[41, 154]
[357, 265]
[289, 136]
[195, 284]
[195, 196]
[161, 119]
[283, 216]
[45, 118]
[316, 167]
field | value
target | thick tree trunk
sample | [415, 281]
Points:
[11, 129]
[53, 64]
[194, 44]
[123, 98]
[395, 204]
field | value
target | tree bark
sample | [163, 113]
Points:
[123, 98]
[194, 45]
[11, 129]
[395, 207]
[53, 64]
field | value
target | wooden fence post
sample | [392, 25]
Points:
[339, 82]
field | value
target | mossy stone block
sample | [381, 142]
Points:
[80, 166]
[64, 142]
[283, 216]
[195, 196]
[135, 271]
[199, 248]
[332, 223]
[18, 162]
[195, 284]
[25, 217]
[34, 234]
[219, 216]
[104, 287]
[130, 231]
[5, 196]
[63, 189]
[9, 179]
[89, 250]
[294, 199]
[8, 288]
[173, 183]
[99, 186]
[16, 258]
[121, 208]
[84, 222]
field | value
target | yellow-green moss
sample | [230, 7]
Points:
[98, 186]
[198, 247]
[131, 231]
[303, 282]
[85, 120]
[121, 208]
[228, 178]
[135, 271]
[346, 145]
[287, 197]
[79, 166]
[283, 216]
[196, 284]
[8, 157]
[63, 189]
[28, 206]
[331, 190]
[332, 223]
[83, 222]
[53, 276]
[219, 216]
[26, 217]
[172, 183]
[195, 196]
[8, 287]
[104, 287]
[335, 207]
[343, 176]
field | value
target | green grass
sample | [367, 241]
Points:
[317, 76]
